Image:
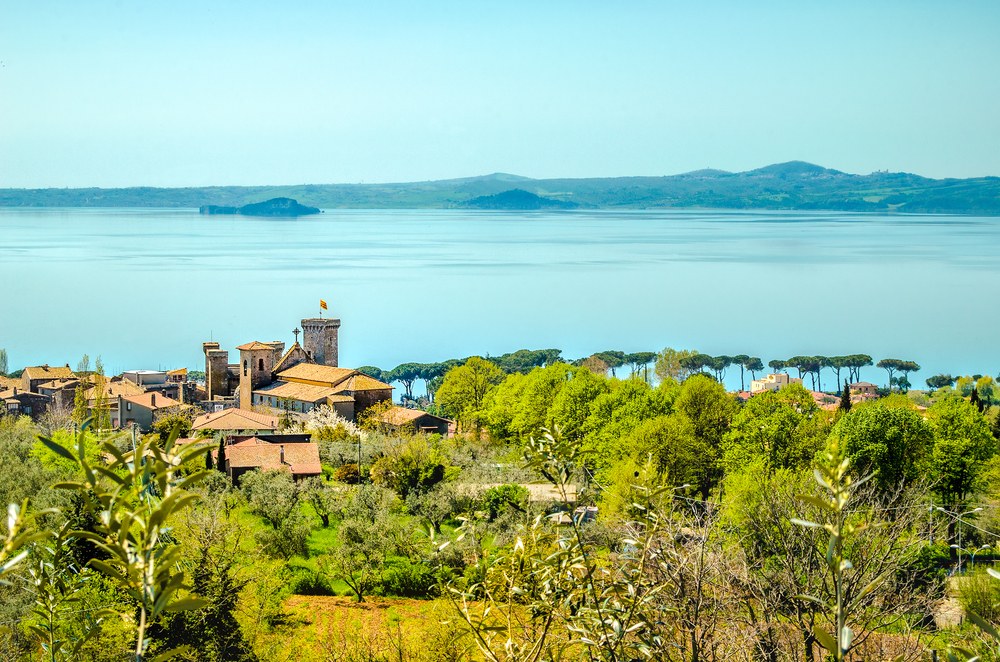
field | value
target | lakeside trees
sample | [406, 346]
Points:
[716, 565]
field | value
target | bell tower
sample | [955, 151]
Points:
[257, 361]
[319, 339]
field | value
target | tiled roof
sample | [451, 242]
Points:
[58, 384]
[404, 416]
[9, 382]
[114, 389]
[361, 382]
[255, 345]
[295, 349]
[314, 372]
[152, 401]
[300, 459]
[293, 391]
[48, 372]
[235, 419]
[179, 371]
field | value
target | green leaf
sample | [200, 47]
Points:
[185, 604]
[58, 450]
[825, 639]
[172, 653]
[984, 625]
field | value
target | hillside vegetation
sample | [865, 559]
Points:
[795, 185]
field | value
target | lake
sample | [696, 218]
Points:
[144, 288]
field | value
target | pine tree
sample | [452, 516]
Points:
[845, 398]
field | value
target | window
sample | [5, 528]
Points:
[245, 367]
[128, 406]
[260, 364]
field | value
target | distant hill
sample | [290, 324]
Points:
[793, 185]
[272, 207]
[517, 200]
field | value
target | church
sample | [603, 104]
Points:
[300, 379]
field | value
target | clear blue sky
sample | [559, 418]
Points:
[196, 93]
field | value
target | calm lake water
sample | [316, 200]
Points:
[143, 288]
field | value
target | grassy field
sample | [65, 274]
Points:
[339, 628]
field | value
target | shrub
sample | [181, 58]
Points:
[497, 499]
[979, 593]
[408, 580]
[347, 473]
[311, 583]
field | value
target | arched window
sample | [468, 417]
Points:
[246, 367]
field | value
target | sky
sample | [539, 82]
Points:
[190, 93]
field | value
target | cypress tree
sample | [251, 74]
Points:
[974, 399]
[220, 461]
[845, 398]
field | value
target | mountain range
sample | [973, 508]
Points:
[795, 185]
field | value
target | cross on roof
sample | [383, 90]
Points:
[296, 332]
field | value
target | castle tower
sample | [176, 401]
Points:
[216, 370]
[257, 361]
[319, 339]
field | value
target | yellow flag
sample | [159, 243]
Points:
[322, 304]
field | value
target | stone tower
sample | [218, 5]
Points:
[257, 362]
[216, 370]
[319, 339]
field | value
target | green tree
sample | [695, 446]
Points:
[640, 361]
[962, 445]
[668, 364]
[415, 465]
[464, 389]
[136, 497]
[3, 362]
[718, 364]
[614, 414]
[405, 374]
[572, 404]
[890, 442]
[782, 429]
[939, 381]
[741, 360]
[519, 406]
[845, 399]
[710, 409]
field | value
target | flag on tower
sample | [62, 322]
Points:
[322, 304]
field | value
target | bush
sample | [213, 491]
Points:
[979, 593]
[347, 473]
[409, 580]
[498, 499]
[311, 583]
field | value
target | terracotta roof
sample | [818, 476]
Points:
[152, 401]
[48, 372]
[360, 382]
[235, 419]
[114, 389]
[300, 459]
[9, 382]
[293, 391]
[296, 348]
[58, 384]
[404, 416]
[314, 372]
[179, 371]
[255, 345]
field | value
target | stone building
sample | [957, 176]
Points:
[297, 380]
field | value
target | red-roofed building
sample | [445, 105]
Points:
[266, 453]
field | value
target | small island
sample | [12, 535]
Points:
[517, 200]
[283, 207]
